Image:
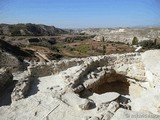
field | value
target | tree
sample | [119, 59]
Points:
[148, 44]
[72, 40]
[102, 39]
[155, 42]
[135, 41]
[104, 49]
[93, 47]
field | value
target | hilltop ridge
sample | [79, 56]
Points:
[29, 29]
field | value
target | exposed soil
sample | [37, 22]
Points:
[67, 46]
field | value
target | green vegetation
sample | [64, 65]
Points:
[102, 39]
[69, 40]
[15, 30]
[46, 44]
[155, 41]
[104, 49]
[82, 48]
[135, 41]
[149, 44]
[76, 48]
[34, 29]
[29, 30]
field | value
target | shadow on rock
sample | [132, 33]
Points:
[33, 87]
[5, 96]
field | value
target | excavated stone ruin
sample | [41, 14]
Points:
[112, 83]
[90, 88]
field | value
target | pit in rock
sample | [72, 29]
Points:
[112, 83]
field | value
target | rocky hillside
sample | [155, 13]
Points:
[29, 30]
[123, 34]
[14, 50]
[13, 56]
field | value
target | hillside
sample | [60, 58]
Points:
[29, 30]
[55, 43]
[125, 35]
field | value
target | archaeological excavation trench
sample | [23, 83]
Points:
[94, 87]
[112, 83]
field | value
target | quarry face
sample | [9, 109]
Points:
[109, 87]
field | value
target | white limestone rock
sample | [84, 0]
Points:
[104, 98]
[21, 89]
[151, 61]
[123, 114]
[113, 106]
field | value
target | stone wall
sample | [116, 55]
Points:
[53, 67]
[129, 65]
[95, 71]
[123, 63]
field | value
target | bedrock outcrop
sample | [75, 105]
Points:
[125, 35]
[6, 77]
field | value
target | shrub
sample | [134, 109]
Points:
[46, 44]
[155, 41]
[15, 31]
[104, 49]
[82, 49]
[149, 44]
[135, 41]
[72, 49]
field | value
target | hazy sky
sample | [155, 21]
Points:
[82, 13]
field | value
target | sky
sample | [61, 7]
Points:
[82, 13]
